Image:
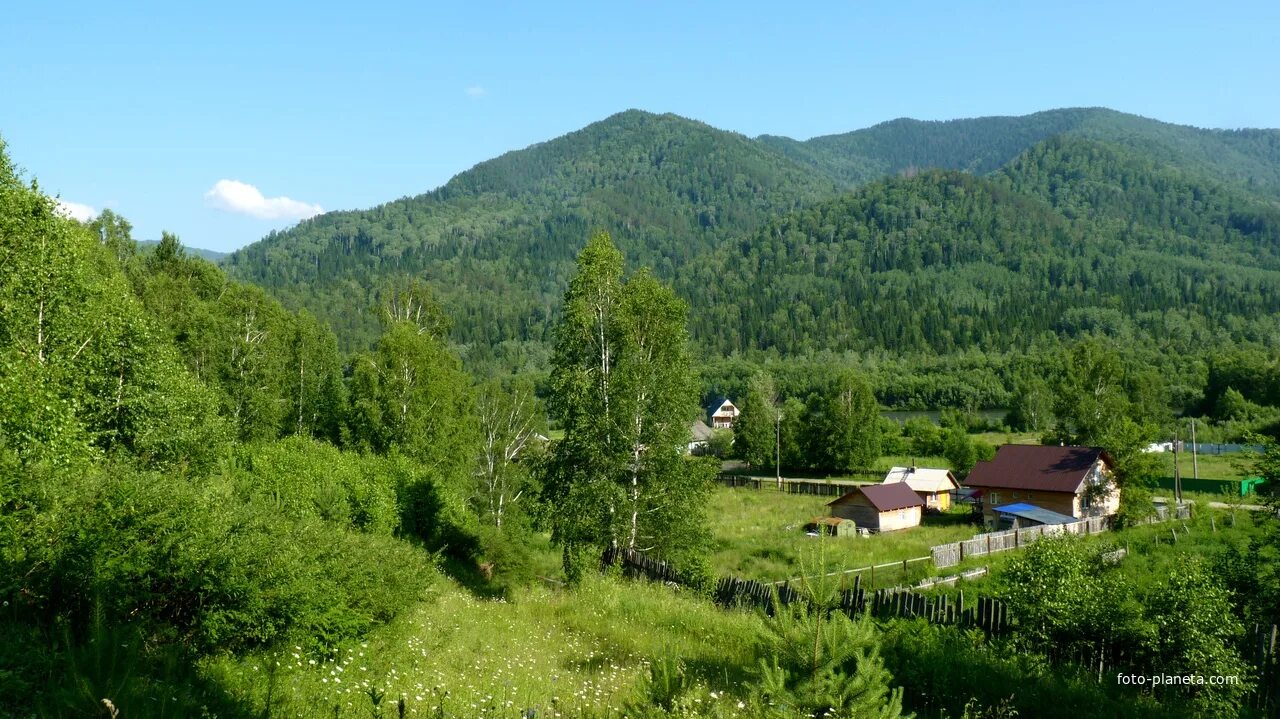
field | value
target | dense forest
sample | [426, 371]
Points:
[1054, 225]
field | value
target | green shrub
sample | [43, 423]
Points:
[304, 478]
[199, 564]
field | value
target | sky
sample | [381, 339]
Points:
[223, 121]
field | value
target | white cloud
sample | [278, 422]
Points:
[75, 210]
[476, 92]
[245, 199]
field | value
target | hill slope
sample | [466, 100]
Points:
[1250, 158]
[497, 242]
[1074, 235]
[1061, 232]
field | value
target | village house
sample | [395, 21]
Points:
[699, 437]
[723, 414]
[880, 507]
[934, 486]
[1076, 482]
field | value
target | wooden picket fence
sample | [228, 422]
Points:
[990, 615]
[949, 555]
[638, 564]
[987, 614]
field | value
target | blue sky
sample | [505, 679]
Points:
[223, 121]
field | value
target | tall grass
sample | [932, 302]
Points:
[570, 653]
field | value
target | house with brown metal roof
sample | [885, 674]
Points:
[1075, 481]
[880, 507]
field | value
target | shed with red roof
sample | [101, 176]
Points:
[880, 507]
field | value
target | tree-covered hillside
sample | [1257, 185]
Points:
[1039, 227]
[497, 242]
[981, 145]
[1072, 236]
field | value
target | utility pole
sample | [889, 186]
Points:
[1195, 464]
[777, 445]
[1177, 475]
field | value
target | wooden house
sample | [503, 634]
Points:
[723, 414]
[880, 507]
[1073, 481]
[934, 486]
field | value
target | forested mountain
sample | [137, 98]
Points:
[1073, 236]
[984, 144]
[497, 242]
[1038, 227]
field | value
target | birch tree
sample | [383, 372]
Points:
[756, 430]
[81, 366]
[846, 434]
[622, 389]
[508, 422]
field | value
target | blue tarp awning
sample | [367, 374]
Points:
[1035, 514]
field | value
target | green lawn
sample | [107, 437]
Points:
[1211, 466]
[759, 534]
[998, 438]
[885, 463]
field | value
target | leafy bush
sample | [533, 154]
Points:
[307, 479]
[196, 563]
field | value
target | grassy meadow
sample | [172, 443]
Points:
[1210, 466]
[579, 653]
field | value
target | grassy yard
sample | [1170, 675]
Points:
[759, 534]
[1211, 466]
[998, 438]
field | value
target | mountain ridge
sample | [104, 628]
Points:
[497, 241]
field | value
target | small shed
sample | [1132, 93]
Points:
[880, 507]
[934, 486]
[835, 526]
[1023, 515]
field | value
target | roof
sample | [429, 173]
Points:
[701, 432]
[885, 497]
[1036, 467]
[717, 405]
[923, 479]
[1035, 514]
